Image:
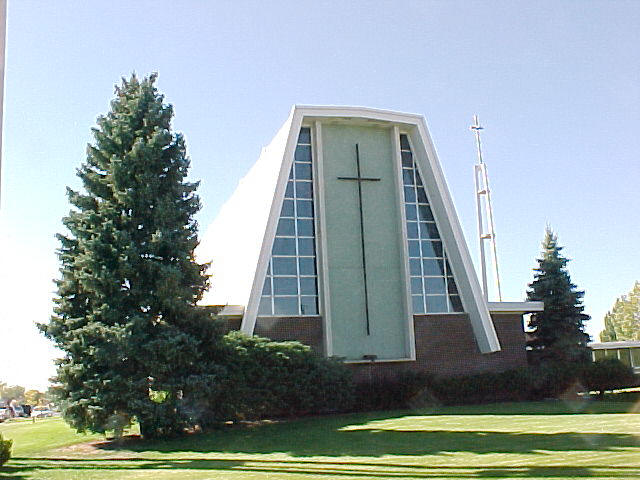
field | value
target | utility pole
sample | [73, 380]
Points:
[3, 37]
[486, 229]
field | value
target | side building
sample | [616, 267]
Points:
[344, 236]
[627, 351]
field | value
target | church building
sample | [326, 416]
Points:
[344, 236]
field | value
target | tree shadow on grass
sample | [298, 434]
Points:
[372, 443]
[584, 405]
[339, 436]
[14, 473]
[337, 469]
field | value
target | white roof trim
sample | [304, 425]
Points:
[281, 150]
[516, 307]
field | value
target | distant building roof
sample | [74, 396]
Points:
[610, 345]
[230, 310]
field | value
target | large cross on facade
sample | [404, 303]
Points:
[359, 178]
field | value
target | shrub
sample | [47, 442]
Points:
[5, 450]
[552, 379]
[408, 389]
[267, 378]
[510, 385]
[607, 374]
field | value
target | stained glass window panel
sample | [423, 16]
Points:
[284, 246]
[309, 305]
[285, 286]
[292, 289]
[287, 209]
[284, 266]
[306, 246]
[433, 287]
[285, 305]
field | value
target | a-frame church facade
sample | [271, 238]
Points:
[344, 236]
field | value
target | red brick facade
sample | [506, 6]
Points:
[307, 330]
[445, 344]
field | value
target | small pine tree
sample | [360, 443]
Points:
[136, 344]
[623, 321]
[558, 331]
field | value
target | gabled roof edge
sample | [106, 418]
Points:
[284, 153]
[481, 323]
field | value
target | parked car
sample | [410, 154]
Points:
[41, 412]
[5, 414]
[18, 411]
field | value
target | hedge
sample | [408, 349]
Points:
[547, 380]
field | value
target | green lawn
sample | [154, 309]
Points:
[524, 440]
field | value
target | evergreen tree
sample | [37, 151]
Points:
[135, 343]
[623, 321]
[558, 331]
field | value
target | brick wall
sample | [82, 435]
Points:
[307, 330]
[445, 344]
[229, 324]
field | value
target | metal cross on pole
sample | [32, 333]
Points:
[361, 179]
[486, 228]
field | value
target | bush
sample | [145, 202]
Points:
[511, 385]
[409, 389]
[5, 450]
[607, 374]
[266, 378]
[552, 379]
[406, 390]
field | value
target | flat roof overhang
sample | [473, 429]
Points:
[515, 307]
[230, 311]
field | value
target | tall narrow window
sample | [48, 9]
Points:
[291, 283]
[433, 288]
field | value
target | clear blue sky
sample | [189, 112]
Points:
[556, 85]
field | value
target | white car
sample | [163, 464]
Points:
[5, 414]
[41, 412]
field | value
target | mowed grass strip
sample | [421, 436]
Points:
[524, 440]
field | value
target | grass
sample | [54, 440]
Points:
[519, 440]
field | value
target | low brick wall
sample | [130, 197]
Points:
[445, 344]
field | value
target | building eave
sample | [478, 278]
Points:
[230, 311]
[516, 307]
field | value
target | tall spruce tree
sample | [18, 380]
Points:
[558, 331]
[136, 344]
[623, 321]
